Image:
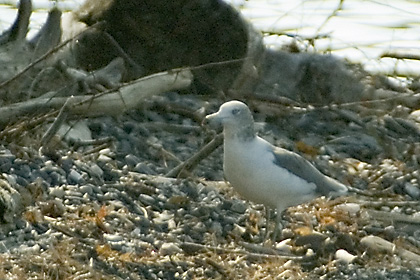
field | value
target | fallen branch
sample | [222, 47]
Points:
[377, 244]
[173, 128]
[193, 248]
[402, 55]
[113, 102]
[59, 120]
[393, 217]
[197, 157]
[76, 143]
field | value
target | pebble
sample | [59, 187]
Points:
[116, 246]
[50, 166]
[163, 217]
[104, 158]
[113, 237]
[11, 178]
[73, 200]
[111, 195]
[199, 227]
[216, 228]
[21, 224]
[289, 264]
[146, 199]
[287, 274]
[110, 174]
[315, 240]
[284, 245]
[416, 235]
[143, 168]
[345, 241]
[171, 224]
[96, 170]
[75, 177]
[229, 220]
[22, 181]
[239, 206]
[67, 163]
[344, 256]
[96, 189]
[412, 190]
[86, 189]
[136, 232]
[52, 208]
[5, 164]
[24, 249]
[351, 208]
[106, 151]
[57, 179]
[71, 193]
[24, 171]
[10, 202]
[390, 233]
[238, 230]
[131, 160]
[200, 212]
[6, 155]
[169, 249]
[38, 173]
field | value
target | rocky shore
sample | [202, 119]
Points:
[108, 197]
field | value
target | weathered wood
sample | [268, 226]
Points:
[19, 29]
[378, 244]
[128, 96]
[190, 163]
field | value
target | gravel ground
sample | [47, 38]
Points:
[96, 201]
[107, 210]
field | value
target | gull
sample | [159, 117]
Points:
[264, 173]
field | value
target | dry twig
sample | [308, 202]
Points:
[190, 163]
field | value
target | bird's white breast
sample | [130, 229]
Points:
[249, 167]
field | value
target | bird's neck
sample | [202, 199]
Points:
[244, 133]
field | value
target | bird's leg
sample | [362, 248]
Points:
[277, 227]
[267, 222]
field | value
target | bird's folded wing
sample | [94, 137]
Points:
[305, 170]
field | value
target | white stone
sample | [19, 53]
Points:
[170, 248]
[344, 256]
[284, 246]
[351, 208]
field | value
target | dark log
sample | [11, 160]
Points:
[19, 29]
[161, 35]
[228, 54]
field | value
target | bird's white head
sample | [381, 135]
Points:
[236, 119]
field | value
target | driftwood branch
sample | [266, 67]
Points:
[392, 217]
[190, 163]
[377, 244]
[193, 248]
[402, 55]
[59, 120]
[114, 102]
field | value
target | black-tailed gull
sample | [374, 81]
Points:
[263, 173]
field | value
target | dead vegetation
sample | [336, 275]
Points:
[380, 234]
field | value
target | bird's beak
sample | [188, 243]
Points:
[213, 120]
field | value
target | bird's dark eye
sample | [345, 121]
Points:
[235, 111]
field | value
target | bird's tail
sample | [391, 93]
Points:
[337, 188]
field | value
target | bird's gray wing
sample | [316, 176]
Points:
[305, 170]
